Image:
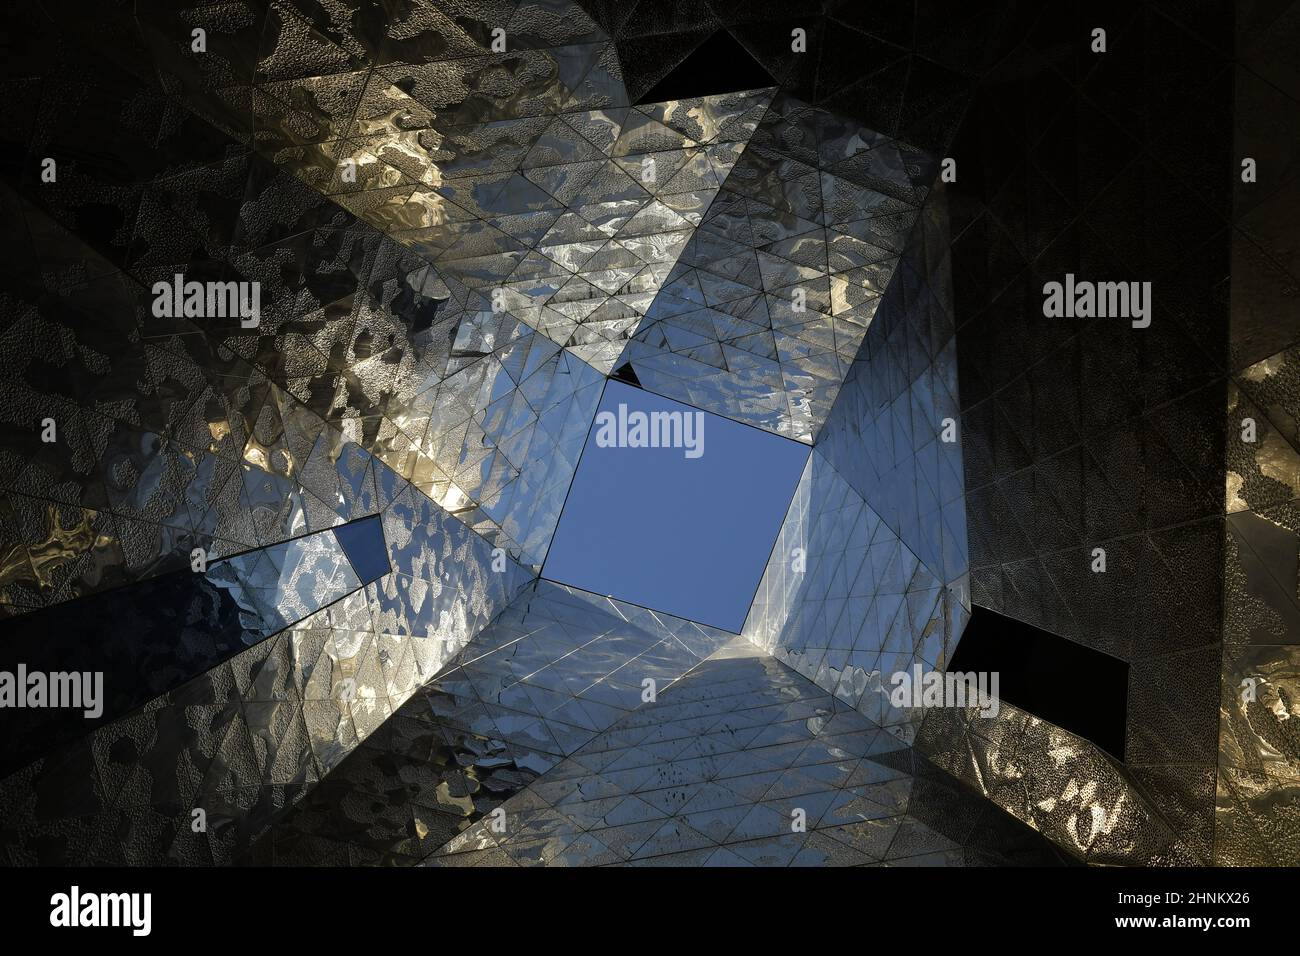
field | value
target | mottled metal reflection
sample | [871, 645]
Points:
[745, 763]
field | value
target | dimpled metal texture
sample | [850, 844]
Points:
[306, 552]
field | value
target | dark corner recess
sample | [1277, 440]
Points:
[718, 65]
[626, 374]
[1069, 685]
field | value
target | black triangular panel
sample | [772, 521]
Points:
[625, 373]
[718, 65]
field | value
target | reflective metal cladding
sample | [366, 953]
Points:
[307, 316]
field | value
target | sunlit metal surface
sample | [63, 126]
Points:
[456, 246]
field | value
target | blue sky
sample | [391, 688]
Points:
[689, 536]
